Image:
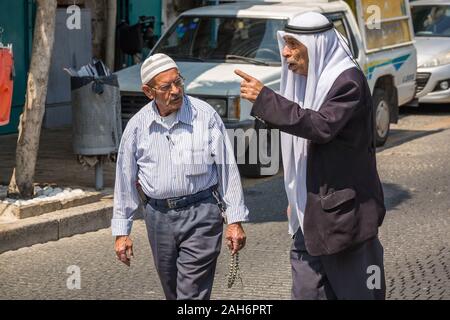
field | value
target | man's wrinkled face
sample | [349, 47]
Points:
[296, 55]
[167, 90]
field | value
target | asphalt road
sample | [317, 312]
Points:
[414, 167]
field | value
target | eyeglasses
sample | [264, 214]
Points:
[179, 82]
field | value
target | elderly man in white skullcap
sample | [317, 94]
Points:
[176, 160]
[324, 110]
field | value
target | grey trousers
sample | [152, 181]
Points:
[186, 244]
[354, 274]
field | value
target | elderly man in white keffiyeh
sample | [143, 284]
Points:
[324, 110]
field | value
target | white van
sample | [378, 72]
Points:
[208, 43]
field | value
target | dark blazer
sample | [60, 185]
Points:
[345, 202]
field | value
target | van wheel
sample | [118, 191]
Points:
[256, 170]
[382, 116]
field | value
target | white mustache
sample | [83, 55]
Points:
[172, 100]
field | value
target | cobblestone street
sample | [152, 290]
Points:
[414, 168]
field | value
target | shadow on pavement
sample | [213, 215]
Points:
[394, 195]
[267, 201]
[425, 109]
[398, 137]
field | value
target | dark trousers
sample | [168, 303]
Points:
[185, 245]
[356, 273]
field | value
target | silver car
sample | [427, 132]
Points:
[431, 19]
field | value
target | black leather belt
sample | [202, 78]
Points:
[178, 202]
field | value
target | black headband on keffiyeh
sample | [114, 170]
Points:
[308, 30]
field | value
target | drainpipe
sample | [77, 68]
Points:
[164, 15]
[111, 34]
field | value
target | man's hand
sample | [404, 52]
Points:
[250, 87]
[235, 236]
[124, 249]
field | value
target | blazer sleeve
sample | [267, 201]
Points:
[318, 126]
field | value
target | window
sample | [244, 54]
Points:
[223, 39]
[431, 21]
[394, 26]
[340, 23]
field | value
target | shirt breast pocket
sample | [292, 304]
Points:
[195, 162]
[195, 169]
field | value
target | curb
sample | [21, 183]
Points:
[56, 225]
[64, 223]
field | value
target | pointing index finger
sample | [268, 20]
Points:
[243, 75]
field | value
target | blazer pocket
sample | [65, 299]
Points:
[339, 217]
[333, 200]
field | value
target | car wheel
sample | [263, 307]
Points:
[257, 170]
[382, 116]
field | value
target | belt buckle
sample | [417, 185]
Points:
[172, 203]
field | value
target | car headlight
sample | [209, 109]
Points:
[220, 105]
[234, 108]
[440, 60]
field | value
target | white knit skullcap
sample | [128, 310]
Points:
[154, 65]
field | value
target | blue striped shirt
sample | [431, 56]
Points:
[190, 156]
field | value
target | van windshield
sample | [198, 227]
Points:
[431, 21]
[223, 39]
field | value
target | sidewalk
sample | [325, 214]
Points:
[56, 164]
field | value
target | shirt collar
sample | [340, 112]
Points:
[186, 114]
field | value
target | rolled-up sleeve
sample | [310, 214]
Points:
[126, 199]
[230, 186]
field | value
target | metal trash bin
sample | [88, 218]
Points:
[97, 125]
[96, 118]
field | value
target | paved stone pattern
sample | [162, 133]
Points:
[416, 231]
[415, 235]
